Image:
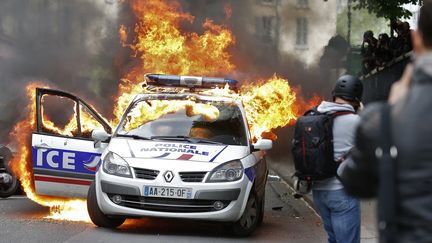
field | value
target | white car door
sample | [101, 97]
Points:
[64, 163]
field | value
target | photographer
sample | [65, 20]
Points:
[383, 52]
[368, 51]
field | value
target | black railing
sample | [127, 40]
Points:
[378, 82]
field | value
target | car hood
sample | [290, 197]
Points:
[129, 148]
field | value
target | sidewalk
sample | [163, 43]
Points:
[284, 168]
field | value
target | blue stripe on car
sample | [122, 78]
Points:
[250, 173]
[218, 154]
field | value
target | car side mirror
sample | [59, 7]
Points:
[98, 136]
[263, 144]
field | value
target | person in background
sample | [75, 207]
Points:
[392, 156]
[383, 53]
[402, 43]
[368, 51]
[340, 212]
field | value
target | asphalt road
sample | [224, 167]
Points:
[286, 220]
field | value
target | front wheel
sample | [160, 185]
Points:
[96, 215]
[250, 219]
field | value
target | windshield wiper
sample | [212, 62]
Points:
[133, 136]
[174, 138]
[185, 138]
[203, 140]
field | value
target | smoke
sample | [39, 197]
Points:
[69, 45]
[74, 46]
[263, 35]
[266, 44]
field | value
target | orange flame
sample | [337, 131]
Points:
[162, 47]
[123, 35]
[269, 106]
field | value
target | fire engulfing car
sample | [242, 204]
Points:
[191, 157]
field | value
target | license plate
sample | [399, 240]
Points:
[168, 192]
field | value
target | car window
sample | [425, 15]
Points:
[63, 114]
[220, 122]
[58, 116]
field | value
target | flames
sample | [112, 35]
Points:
[165, 48]
[161, 46]
[269, 106]
[154, 109]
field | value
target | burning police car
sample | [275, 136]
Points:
[174, 154]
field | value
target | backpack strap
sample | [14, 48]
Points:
[342, 113]
[334, 115]
[386, 155]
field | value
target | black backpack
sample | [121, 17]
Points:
[312, 146]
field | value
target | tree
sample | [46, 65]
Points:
[362, 20]
[389, 9]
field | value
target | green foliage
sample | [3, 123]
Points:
[362, 21]
[389, 9]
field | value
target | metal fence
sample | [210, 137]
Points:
[377, 83]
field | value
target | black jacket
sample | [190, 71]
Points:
[411, 121]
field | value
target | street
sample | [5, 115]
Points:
[286, 220]
[181, 107]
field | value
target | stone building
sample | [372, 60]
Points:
[281, 29]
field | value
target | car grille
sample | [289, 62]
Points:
[169, 204]
[192, 176]
[146, 174]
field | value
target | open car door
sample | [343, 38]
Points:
[64, 156]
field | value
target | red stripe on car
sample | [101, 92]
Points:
[185, 157]
[62, 180]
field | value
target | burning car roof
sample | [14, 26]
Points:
[190, 81]
[206, 96]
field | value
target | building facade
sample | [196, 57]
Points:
[281, 29]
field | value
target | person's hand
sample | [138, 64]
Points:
[400, 88]
[361, 107]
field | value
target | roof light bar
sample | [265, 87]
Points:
[189, 81]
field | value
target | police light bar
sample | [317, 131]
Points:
[189, 81]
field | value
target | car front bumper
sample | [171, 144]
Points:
[233, 195]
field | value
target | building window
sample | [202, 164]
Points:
[265, 28]
[303, 3]
[302, 32]
[269, 2]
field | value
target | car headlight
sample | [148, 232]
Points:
[113, 164]
[230, 171]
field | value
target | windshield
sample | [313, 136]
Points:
[185, 120]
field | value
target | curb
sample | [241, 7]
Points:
[290, 182]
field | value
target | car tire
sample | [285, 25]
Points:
[248, 222]
[261, 215]
[262, 203]
[7, 190]
[96, 215]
